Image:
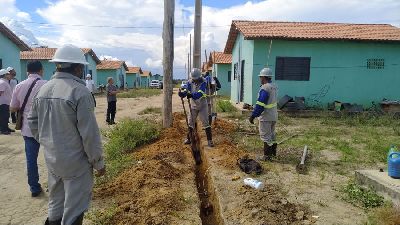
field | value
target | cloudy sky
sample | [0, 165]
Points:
[131, 30]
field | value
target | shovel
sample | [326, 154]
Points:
[192, 136]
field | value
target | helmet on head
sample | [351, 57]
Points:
[88, 76]
[195, 74]
[3, 72]
[9, 69]
[266, 72]
[69, 54]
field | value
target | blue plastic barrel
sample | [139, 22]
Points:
[394, 165]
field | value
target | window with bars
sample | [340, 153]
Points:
[293, 68]
[375, 64]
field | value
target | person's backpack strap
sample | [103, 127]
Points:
[28, 94]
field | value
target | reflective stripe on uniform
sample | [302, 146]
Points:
[269, 106]
[204, 94]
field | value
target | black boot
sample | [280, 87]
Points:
[112, 118]
[210, 119]
[209, 137]
[78, 220]
[188, 141]
[55, 222]
[267, 153]
[274, 146]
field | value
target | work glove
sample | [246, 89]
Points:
[182, 93]
[189, 95]
[251, 120]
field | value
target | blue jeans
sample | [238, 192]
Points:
[32, 152]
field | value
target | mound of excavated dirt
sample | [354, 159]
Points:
[155, 190]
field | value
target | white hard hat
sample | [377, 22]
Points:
[266, 72]
[195, 74]
[88, 76]
[69, 54]
[9, 69]
[3, 71]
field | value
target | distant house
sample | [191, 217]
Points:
[221, 68]
[133, 77]
[145, 79]
[323, 62]
[115, 69]
[44, 54]
[10, 47]
[157, 77]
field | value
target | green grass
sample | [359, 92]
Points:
[224, 105]
[361, 197]
[137, 93]
[102, 216]
[123, 139]
[150, 110]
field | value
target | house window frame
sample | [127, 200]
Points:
[229, 76]
[283, 72]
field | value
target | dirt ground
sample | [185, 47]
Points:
[17, 207]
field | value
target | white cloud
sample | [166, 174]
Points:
[109, 57]
[143, 46]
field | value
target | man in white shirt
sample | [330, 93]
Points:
[13, 83]
[90, 86]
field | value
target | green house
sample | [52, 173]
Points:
[44, 54]
[323, 62]
[10, 47]
[115, 69]
[145, 79]
[133, 77]
[157, 77]
[221, 68]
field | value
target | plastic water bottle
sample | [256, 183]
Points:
[254, 183]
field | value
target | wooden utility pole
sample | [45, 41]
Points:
[190, 54]
[197, 35]
[168, 60]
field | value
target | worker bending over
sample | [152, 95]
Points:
[196, 91]
[266, 110]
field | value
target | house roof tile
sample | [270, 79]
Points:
[111, 65]
[134, 70]
[220, 58]
[252, 30]
[146, 73]
[48, 53]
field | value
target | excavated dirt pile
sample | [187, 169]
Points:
[158, 188]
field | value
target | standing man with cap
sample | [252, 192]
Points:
[266, 110]
[5, 99]
[195, 90]
[22, 98]
[63, 121]
[13, 83]
[90, 86]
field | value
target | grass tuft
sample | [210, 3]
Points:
[137, 93]
[385, 215]
[124, 138]
[150, 110]
[225, 106]
[102, 216]
[361, 197]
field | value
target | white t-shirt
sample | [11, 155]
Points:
[90, 85]
[13, 83]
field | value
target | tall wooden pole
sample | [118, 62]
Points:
[168, 60]
[190, 53]
[197, 35]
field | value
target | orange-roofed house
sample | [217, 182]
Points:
[112, 68]
[220, 64]
[44, 54]
[133, 77]
[10, 47]
[145, 79]
[323, 62]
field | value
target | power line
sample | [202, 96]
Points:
[117, 27]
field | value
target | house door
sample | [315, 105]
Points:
[242, 81]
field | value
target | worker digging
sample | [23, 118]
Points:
[195, 90]
[266, 111]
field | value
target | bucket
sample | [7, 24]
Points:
[394, 165]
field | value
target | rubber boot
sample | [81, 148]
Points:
[274, 146]
[56, 222]
[209, 137]
[267, 153]
[78, 220]
[210, 119]
[187, 141]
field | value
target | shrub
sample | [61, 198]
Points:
[225, 106]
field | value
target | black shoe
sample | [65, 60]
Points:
[5, 132]
[36, 194]
[273, 151]
[112, 122]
